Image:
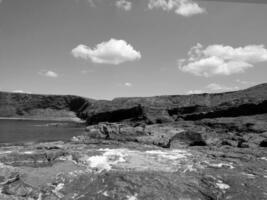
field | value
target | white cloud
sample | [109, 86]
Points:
[91, 3]
[243, 82]
[49, 74]
[222, 60]
[124, 4]
[213, 87]
[18, 91]
[111, 52]
[86, 71]
[220, 88]
[127, 84]
[21, 91]
[195, 92]
[188, 9]
[185, 8]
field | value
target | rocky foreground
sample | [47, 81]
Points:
[179, 147]
[221, 158]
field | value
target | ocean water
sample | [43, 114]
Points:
[27, 131]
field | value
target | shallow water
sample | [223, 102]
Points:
[24, 131]
[136, 160]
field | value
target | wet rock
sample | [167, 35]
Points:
[140, 173]
[187, 138]
[232, 143]
[243, 145]
[263, 143]
[145, 134]
[33, 158]
[114, 131]
[14, 186]
[134, 113]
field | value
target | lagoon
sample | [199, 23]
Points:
[27, 131]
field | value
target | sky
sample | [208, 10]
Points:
[104, 49]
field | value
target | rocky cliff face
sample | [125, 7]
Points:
[40, 106]
[158, 109]
[162, 109]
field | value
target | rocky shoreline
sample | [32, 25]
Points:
[207, 159]
[195, 147]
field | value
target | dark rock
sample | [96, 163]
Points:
[229, 143]
[144, 134]
[15, 186]
[34, 159]
[134, 113]
[187, 138]
[243, 145]
[263, 143]
[221, 111]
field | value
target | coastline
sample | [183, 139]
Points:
[59, 119]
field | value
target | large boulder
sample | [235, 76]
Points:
[145, 134]
[187, 138]
[263, 143]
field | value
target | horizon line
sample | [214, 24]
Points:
[240, 1]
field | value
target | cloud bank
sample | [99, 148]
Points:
[123, 4]
[185, 8]
[128, 84]
[195, 92]
[213, 87]
[220, 88]
[112, 52]
[49, 74]
[21, 91]
[222, 60]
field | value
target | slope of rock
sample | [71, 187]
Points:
[40, 106]
[158, 109]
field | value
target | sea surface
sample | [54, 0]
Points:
[27, 131]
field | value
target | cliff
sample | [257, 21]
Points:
[35, 106]
[158, 109]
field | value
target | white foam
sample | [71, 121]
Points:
[163, 160]
[171, 155]
[190, 168]
[222, 185]
[134, 197]
[40, 196]
[248, 175]
[27, 152]
[220, 165]
[99, 162]
[106, 160]
[5, 152]
[105, 193]
[59, 187]
[2, 165]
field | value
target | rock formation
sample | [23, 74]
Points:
[198, 147]
[158, 109]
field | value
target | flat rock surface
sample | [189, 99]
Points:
[131, 171]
